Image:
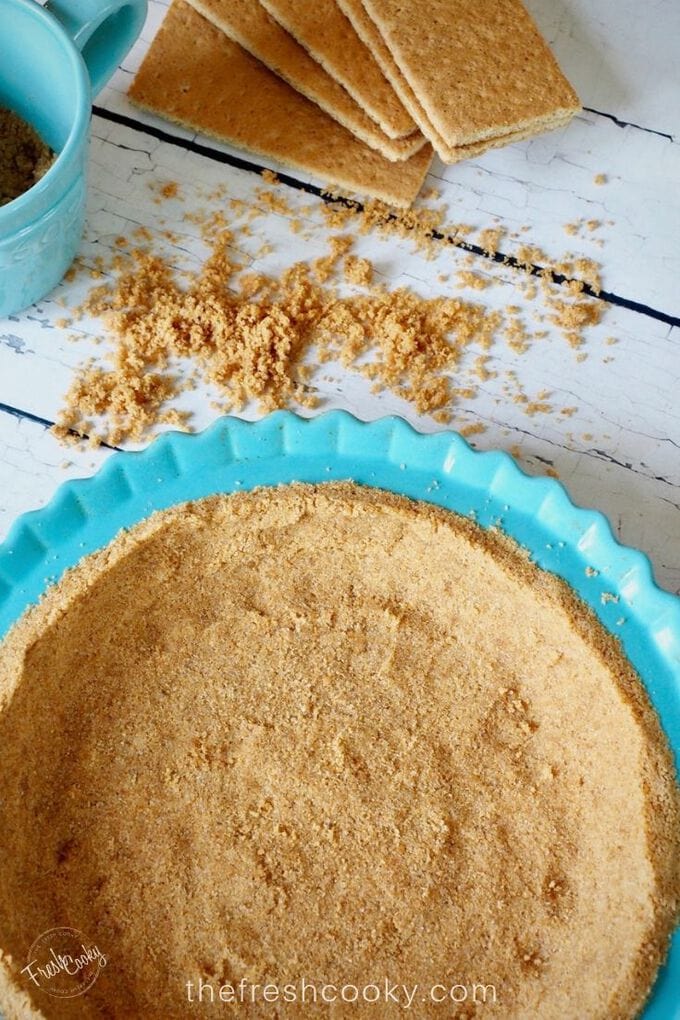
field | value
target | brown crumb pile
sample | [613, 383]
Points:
[24, 157]
[250, 336]
[256, 338]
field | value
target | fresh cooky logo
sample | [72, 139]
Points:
[64, 962]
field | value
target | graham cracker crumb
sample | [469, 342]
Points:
[490, 239]
[473, 429]
[358, 271]
[24, 157]
[472, 280]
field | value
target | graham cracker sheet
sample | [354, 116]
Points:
[479, 69]
[370, 36]
[459, 153]
[328, 36]
[195, 75]
[249, 24]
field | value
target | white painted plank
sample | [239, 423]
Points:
[33, 464]
[549, 183]
[621, 55]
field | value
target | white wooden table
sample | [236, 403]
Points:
[620, 451]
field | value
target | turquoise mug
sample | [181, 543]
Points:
[52, 61]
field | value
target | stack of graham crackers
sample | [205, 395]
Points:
[356, 92]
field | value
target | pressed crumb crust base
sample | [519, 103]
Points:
[326, 732]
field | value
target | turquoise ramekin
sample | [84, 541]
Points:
[52, 61]
[233, 455]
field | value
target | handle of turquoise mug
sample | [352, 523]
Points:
[103, 31]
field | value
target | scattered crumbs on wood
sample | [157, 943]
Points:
[260, 339]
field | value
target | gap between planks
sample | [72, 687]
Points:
[46, 423]
[240, 163]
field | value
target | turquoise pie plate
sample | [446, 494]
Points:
[442, 469]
